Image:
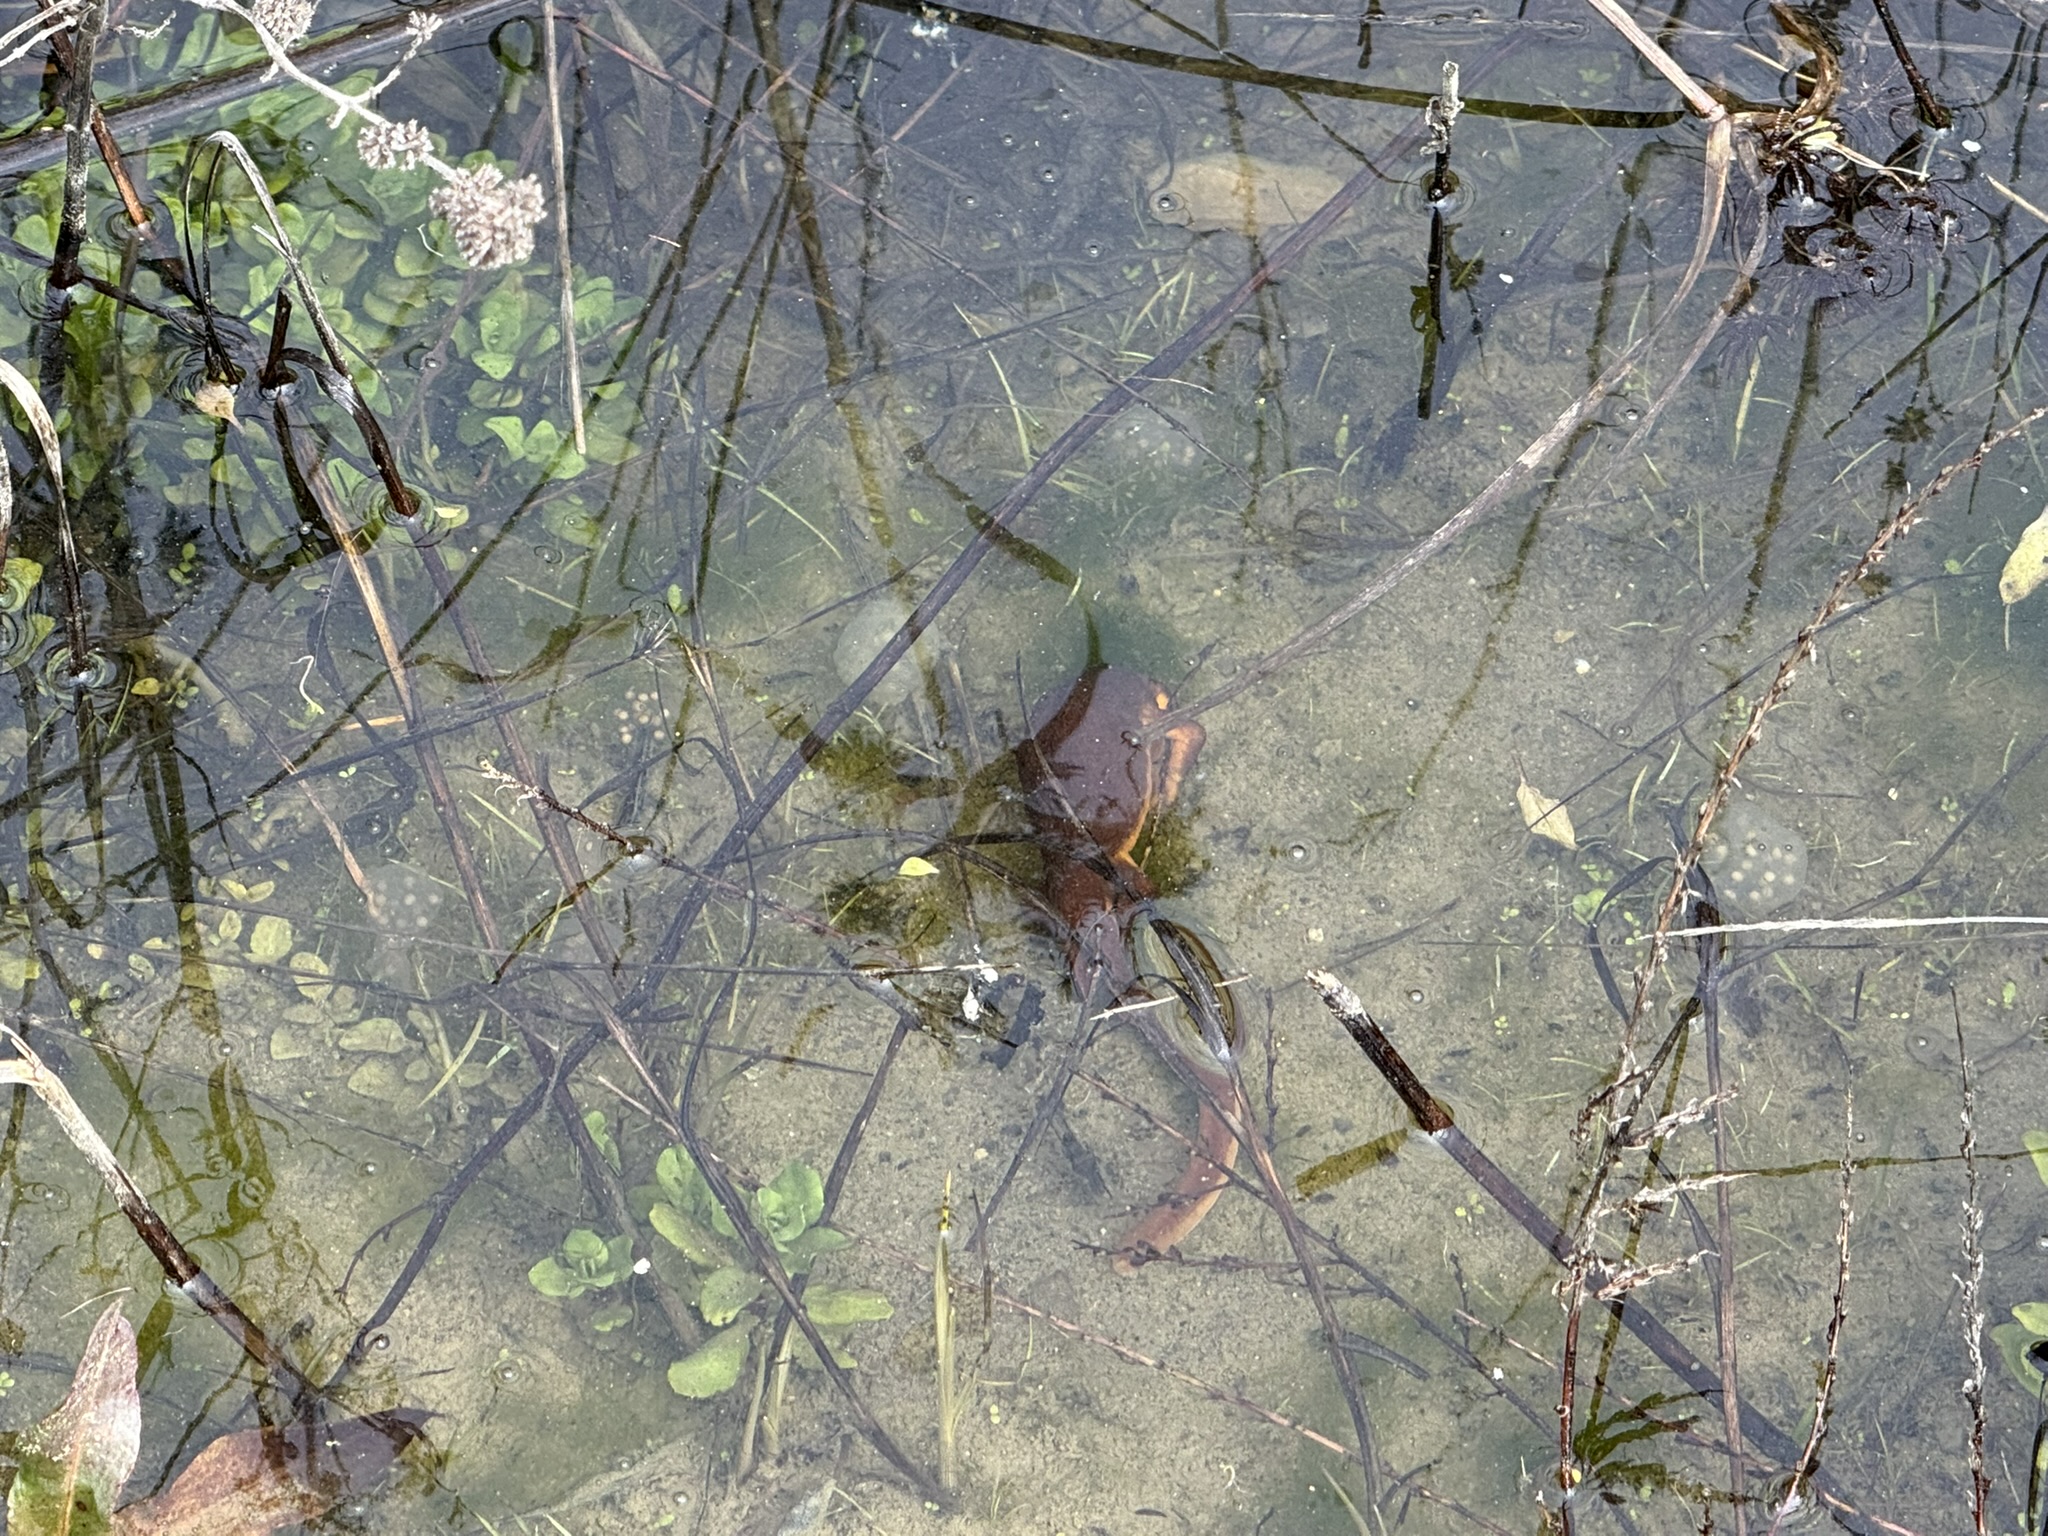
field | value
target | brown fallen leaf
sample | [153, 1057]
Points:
[257, 1480]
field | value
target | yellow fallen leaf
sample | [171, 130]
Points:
[1544, 816]
[914, 868]
[2027, 566]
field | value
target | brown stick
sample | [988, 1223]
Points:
[1931, 111]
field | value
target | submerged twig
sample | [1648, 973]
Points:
[565, 262]
[1970, 1282]
[1725, 1340]
[942, 1339]
[1931, 111]
[1845, 925]
[78, 117]
[1823, 1397]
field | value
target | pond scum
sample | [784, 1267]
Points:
[679, 727]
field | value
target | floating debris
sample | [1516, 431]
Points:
[1757, 862]
[217, 400]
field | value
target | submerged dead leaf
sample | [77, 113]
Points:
[2027, 566]
[258, 1480]
[1244, 193]
[71, 1466]
[73, 1463]
[1544, 816]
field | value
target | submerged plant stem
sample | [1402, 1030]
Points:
[942, 1335]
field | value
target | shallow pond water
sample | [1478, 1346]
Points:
[401, 887]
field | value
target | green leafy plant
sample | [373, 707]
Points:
[2029, 1325]
[787, 1211]
[1606, 1447]
[585, 1262]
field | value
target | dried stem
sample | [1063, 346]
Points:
[558, 161]
[78, 116]
[1724, 1245]
[1931, 111]
[1596, 1274]
[1823, 1395]
[27, 1070]
[942, 1336]
[1971, 1281]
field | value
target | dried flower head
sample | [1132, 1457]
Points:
[384, 145]
[492, 219]
[285, 20]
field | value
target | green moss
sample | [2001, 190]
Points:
[864, 761]
[1168, 853]
[907, 914]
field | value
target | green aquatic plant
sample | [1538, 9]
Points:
[1169, 853]
[585, 1262]
[1606, 1448]
[2029, 1325]
[788, 1211]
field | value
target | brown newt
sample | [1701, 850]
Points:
[1094, 785]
